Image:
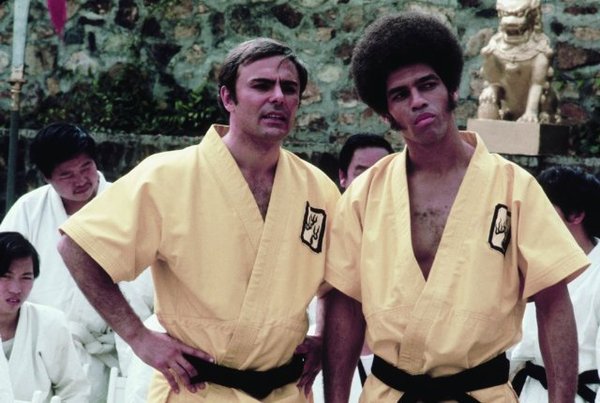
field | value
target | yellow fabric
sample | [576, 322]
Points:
[226, 281]
[470, 308]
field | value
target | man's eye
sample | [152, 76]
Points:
[289, 89]
[399, 96]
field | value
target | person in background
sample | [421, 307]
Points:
[36, 339]
[436, 249]
[65, 155]
[235, 231]
[576, 196]
[360, 152]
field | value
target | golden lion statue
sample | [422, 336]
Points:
[516, 67]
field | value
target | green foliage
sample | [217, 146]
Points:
[586, 139]
[122, 100]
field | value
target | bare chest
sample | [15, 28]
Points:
[261, 188]
[429, 211]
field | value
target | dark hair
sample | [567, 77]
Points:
[14, 246]
[574, 191]
[57, 143]
[361, 140]
[251, 51]
[400, 40]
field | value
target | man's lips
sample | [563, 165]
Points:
[82, 189]
[278, 116]
[424, 119]
[13, 301]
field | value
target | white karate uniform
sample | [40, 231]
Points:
[6, 393]
[37, 215]
[585, 295]
[44, 357]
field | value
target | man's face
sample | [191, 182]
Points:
[268, 95]
[362, 159]
[15, 286]
[75, 180]
[418, 104]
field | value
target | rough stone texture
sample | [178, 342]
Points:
[180, 45]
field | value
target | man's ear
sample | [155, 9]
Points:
[226, 98]
[387, 118]
[343, 178]
[576, 218]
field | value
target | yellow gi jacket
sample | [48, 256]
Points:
[226, 281]
[503, 242]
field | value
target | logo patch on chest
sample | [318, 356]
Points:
[499, 236]
[313, 227]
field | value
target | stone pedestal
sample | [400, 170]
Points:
[505, 137]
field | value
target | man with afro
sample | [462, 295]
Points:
[435, 251]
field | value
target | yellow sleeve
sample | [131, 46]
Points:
[120, 228]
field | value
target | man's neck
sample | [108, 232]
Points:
[252, 157]
[8, 326]
[441, 157]
[72, 206]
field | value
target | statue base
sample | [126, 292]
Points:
[506, 137]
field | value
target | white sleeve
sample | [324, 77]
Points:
[6, 393]
[64, 366]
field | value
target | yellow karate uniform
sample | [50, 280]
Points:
[503, 242]
[226, 281]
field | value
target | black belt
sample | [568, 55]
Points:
[450, 387]
[539, 373]
[258, 384]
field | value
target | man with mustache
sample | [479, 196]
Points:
[234, 229]
[437, 249]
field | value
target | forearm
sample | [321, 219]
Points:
[344, 332]
[102, 293]
[558, 341]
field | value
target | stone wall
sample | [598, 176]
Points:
[177, 45]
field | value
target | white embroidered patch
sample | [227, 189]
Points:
[313, 227]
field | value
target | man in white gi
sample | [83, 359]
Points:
[235, 230]
[439, 247]
[65, 154]
[576, 196]
[36, 339]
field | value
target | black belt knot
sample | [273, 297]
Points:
[258, 384]
[424, 387]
